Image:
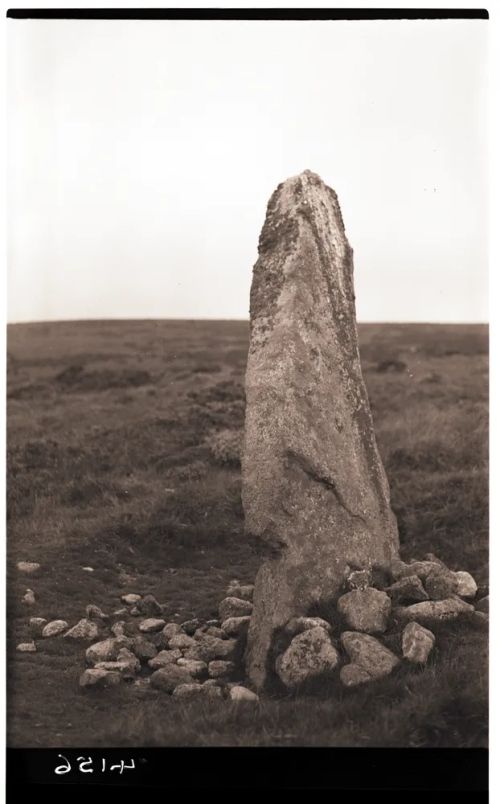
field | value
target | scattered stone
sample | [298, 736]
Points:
[126, 657]
[164, 657]
[120, 612]
[191, 690]
[171, 629]
[242, 591]
[417, 643]
[36, 625]
[483, 605]
[95, 613]
[214, 630]
[212, 692]
[408, 590]
[434, 610]
[29, 598]
[99, 678]
[118, 629]
[84, 629]
[28, 567]
[242, 694]
[151, 625]
[440, 583]
[212, 622]
[365, 610]
[421, 568]
[143, 648]
[88, 569]
[190, 626]
[26, 647]
[107, 650]
[181, 641]
[234, 607]
[134, 612]
[233, 626]
[54, 628]
[131, 599]
[351, 675]
[149, 606]
[196, 668]
[299, 624]
[359, 579]
[310, 654]
[159, 640]
[369, 654]
[211, 648]
[465, 584]
[169, 677]
[220, 668]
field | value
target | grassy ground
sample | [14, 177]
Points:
[115, 461]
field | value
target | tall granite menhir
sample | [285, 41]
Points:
[315, 494]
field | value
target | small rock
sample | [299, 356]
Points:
[310, 654]
[107, 650]
[134, 612]
[421, 568]
[169, 677]
[26, 647]
[299, 624]
[220, 668]
[440, 583]
[28, 567]
[194, 667]
[242, 591]
[120, 612]
[29, 598]
[359, 579]
[365, 610]
[212, 622]
[351, 675]
[234, 607]
[131, 599]
[163, 658]
[465, 584]
[181, 641]
[213, 630]
[211, 648]
[118, 629]
[417, 643]
[369, 654]
[408, 590]
[143, 648]
[434, 610]
[151, 625]
[483, 605]
[191, 690]
[126, 657]
[234, 626]
[54, 628]
[95, 613]
[125, 579]
[84, 629]
[190, 626]
[434, 559]
[242, 695]
[171, 629]
[88, 569]
[99, 678]
[36, 625]
[149, 606]
[214, 692]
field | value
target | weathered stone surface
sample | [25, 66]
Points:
[407, 590]
[26, 647]
[241, 694]
[107, 650]
[465, 584]
[440, 583]
[149, 606]
[37, 625]
[243, 591]
[99, 678]
[95, 613]
[234, 607]
[169, 677]
[234, 626]
[359, 579]
[151, 625]
[299, 624]
[417, 643]
[131, 599]
[54, 628]
[181, 641]
[210, 648]
[434, 610]
[365, 610]
[195, 667]
[85, 630]
[28, 567]
[190, 626]
[421, 568]
[143, 648]
[29, 598]
[220, 668]
[352, 675]
[369, 654]
[165, 657]
[171, 629]
[191, 690]
[310, 654]
[315, 494]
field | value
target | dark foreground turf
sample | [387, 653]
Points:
[122, 455]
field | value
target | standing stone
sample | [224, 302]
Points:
[315, 494]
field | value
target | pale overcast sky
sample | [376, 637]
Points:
[142, 155]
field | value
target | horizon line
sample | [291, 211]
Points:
[235, 319]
